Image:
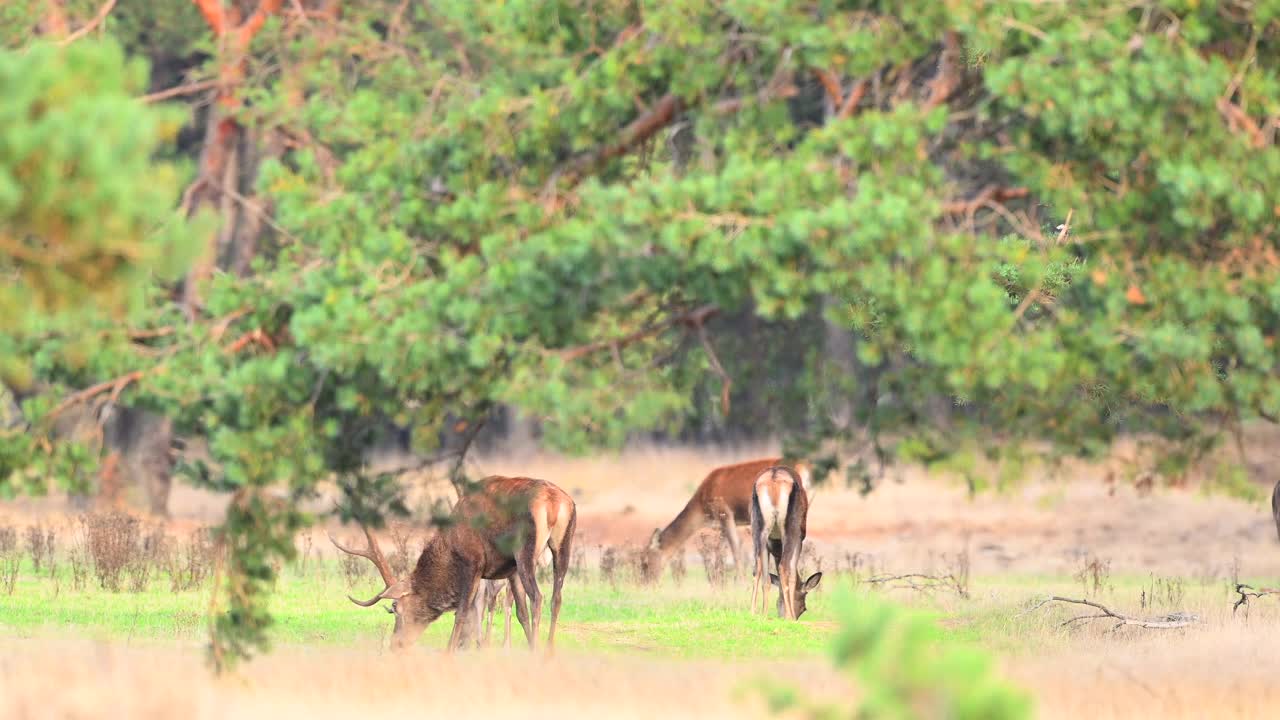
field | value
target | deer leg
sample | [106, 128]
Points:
[486, 613]
[527, 570]
[757, 528]
[560, 557]
[762, 572]
[522, 608]
[787, 577]
[462, 617]
[755, 579]
[731, 534]
[506, 605]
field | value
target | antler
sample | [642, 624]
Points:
[374, 554]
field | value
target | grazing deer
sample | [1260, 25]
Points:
[496, 533]
[724, 498]
[779, 519]
[802, 589]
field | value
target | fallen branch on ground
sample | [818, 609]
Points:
[1168, 622]
[1246, 592]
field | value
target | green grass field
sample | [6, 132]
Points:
[690, 619]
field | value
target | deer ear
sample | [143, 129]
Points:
[774, 579]
[398, 590]
[812, 583]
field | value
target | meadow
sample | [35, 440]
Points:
[688, 646]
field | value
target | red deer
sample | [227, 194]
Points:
[779, 520]
[723, 499]
[802, 590]
[496, 533]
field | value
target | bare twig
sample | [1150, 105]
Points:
[851, 102]
[1167, 622]
[1239, 119]
[830, 83]
[695, 317]
[989, 194]
[455, 473]
[726, 382]
[658, 116]
[1246, 592]
[102, 14]
[180, 90]
[920, 582]
[116, 386]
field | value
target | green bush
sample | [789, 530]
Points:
[905, 668]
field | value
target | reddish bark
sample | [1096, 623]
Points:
[235, 36]
[55, 19]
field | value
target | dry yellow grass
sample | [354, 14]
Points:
[52, 678]
[1222, 670]
[1225, 670]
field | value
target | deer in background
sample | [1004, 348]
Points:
[496, 533]
[724, 499]
[779, 520]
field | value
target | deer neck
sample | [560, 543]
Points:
[690, 520]
[441, 572]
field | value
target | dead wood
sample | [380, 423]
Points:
[1167, 622]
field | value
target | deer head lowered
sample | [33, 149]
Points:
[723, 500]
[779, 521]
[496, 534]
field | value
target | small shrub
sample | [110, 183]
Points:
[81, 565]
[113, 542]
[578, 561]
[402, 558]
[633, 562]
[958, 567]
[40, 542]
[305, 555]
[711, 548]
[1163, 593]
[148, 557]
[679, 569]
[8, 539]
[189, 563]
[1094, 574]
[10, 562]
[353, 568]
[906, 669]
[609, 565]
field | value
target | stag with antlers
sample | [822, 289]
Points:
[779, 519]
[496, 533]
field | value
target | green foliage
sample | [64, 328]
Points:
[85, 215]
[87, 225]
[906, 669]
